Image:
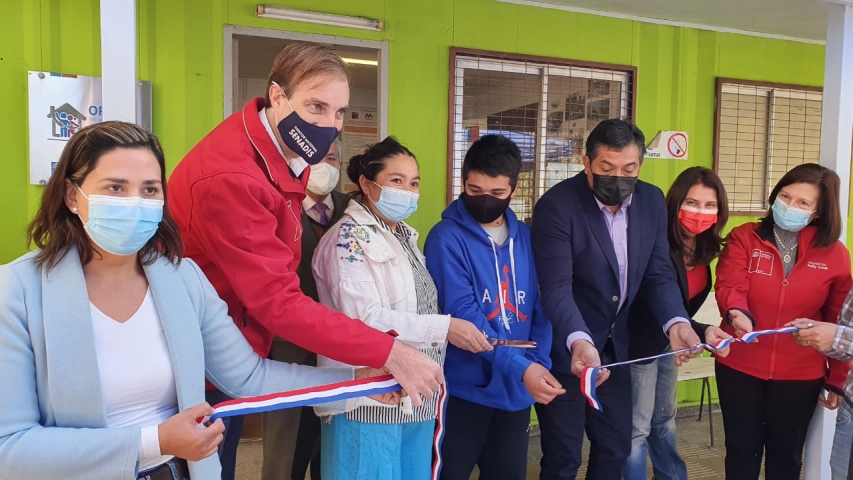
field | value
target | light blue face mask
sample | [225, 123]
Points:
[396, 205]
[122, 225]
[789, 218]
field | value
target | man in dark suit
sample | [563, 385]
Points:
[598, 238]
[292, 436]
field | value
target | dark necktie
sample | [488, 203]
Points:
[322, 213]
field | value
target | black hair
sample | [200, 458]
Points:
[495, 156]
[372, 161]
[707, 244]
[615, 134]
[828, 220]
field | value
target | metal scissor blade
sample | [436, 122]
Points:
[498, 342]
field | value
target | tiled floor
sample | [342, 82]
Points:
[703, 462]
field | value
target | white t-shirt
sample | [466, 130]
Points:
[136, 374]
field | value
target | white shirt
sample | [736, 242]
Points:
[363, 272]
[136, 375]
[297, 165]
[308, 206]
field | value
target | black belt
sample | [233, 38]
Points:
[164, 472]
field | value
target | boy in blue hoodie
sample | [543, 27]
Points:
[480, 258]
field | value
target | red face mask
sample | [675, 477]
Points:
[697, 220]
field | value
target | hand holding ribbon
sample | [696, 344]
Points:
[819, 335]
[740, 321]
[590, 372]
[715, 335]
[584, 357]
[684, 340]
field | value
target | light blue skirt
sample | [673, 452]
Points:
[355, 450]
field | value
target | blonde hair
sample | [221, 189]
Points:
[299, 62]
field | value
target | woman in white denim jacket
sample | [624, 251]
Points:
[369, 266]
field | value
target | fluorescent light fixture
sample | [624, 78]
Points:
[292, 14]
[359, 61]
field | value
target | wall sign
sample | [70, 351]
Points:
[671, 145]
[361, 131]
[60, 105]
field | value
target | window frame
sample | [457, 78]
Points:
[541, 62]
[721, 83]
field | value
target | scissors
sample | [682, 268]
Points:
[500, 342]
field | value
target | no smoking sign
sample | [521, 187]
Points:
[677, 145]
[671, 145]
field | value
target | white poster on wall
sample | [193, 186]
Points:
[670, 145]
[361, 130]
[60, 104]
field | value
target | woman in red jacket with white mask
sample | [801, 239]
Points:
[788, 265]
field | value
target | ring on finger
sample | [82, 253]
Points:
[811, 324]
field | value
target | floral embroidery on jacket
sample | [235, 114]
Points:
[350, 235]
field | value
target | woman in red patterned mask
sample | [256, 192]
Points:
[697, 209]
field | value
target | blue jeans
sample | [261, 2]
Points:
[231, 437]
[840, 459]
[653, 432]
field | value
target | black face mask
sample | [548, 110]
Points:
[612, 190]
[485, 208]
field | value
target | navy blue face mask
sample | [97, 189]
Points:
[310, 142]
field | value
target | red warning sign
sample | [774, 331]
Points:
[677, 145]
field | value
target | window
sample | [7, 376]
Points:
[762, 131]
[546, 106]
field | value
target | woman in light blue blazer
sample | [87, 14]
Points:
[107, 336]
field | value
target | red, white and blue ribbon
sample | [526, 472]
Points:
[589, 374]
[305, 397]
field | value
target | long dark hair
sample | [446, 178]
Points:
[828, 218]
[55, 229]
[371, 162]
[710, 242]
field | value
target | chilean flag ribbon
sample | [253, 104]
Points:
[305, 397]
[589, 374]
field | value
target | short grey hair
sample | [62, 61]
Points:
[340, 147]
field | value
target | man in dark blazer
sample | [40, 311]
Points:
[292, 436]
[597, 239]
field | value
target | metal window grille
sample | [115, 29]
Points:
[546, 106]
[762, 131]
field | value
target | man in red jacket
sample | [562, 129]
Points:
[237, 198]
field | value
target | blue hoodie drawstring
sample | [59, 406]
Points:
[512, 266]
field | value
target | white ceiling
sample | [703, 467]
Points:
[794, 19]
[256, 55]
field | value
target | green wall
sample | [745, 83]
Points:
[181, 53]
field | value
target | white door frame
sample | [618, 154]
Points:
[230, 59]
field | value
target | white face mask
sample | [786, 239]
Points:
[323, 179]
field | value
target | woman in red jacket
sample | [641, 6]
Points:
[789, 265]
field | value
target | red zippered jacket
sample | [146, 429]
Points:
[239, 209]
[751, 277]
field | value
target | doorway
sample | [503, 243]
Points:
[249, 54]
